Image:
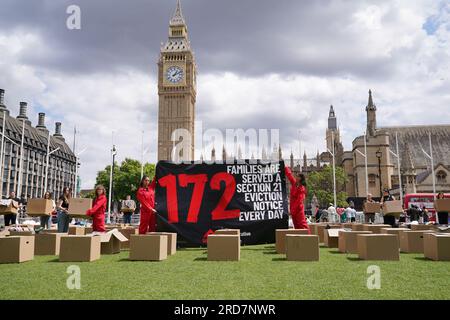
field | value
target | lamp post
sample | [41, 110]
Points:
[332, 152]
[379, 155]
[364, 155]
[111, 176]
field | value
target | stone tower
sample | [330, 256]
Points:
[371, 110]
[333, 134]
[176, 90]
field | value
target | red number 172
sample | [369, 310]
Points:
[199, 181]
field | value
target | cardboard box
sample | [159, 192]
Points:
[52, 231]
[4, 233]
[110, 242]
[302, 247]
[357, 227]
[76, 230]
[171, 241]
[347, 225]
[375, 228]
[412, 241]
[21, 233]
[79, 206]
[16, 249]
[148, 247]
[127, 232]
[280, 238]
[331, 237]
[419, 227]
[396, 231]
[224, 247]
[372, 207]
[437, 246]
[11, 207]
[88, 230]
[229, 231]
[348, 242]
[378, 247]
[393, 208]
[442, 205]
[39, 207]
[320, 230]
[47, 244]
[79, 248]
[313, 227]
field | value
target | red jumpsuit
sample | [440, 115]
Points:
[97, 212]
[297, 199]
[146, 197]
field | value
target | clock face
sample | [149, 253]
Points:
[174, 74]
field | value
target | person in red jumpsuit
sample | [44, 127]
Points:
[146, 197]
[297, 199]
[97, 212]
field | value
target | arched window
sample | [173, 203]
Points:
[441, 177]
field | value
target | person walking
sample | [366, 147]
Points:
[369, 216]
[46, 221]
[298, 194]
[350, 213]
[62, 208]
[146, 196]
[11, 218]
[388, 219]
[442, 217]
[97, 212]
[128, 208]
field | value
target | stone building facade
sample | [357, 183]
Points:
[61, 171]
[415, 167]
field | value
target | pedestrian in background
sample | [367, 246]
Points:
[62, 208]
[442, 217]
[46, 221]
[128, 208]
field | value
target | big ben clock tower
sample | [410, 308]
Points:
[176, 88]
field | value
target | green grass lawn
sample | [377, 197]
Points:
[261, 274]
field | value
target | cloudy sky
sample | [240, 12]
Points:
[261, 64]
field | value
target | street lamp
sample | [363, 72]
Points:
[379, 155]
[111, 176]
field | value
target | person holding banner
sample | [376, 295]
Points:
[97, 212]
[442, 217]
[146, 197]
[297, 199]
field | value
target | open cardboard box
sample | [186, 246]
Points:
[110, 241]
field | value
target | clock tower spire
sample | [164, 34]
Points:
[176, 91]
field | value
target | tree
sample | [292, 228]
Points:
[320, 183]
[127, 177]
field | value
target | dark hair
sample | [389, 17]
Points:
[302, 179]
[440, 194]
[142, 181]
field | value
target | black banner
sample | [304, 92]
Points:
[197, 199]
